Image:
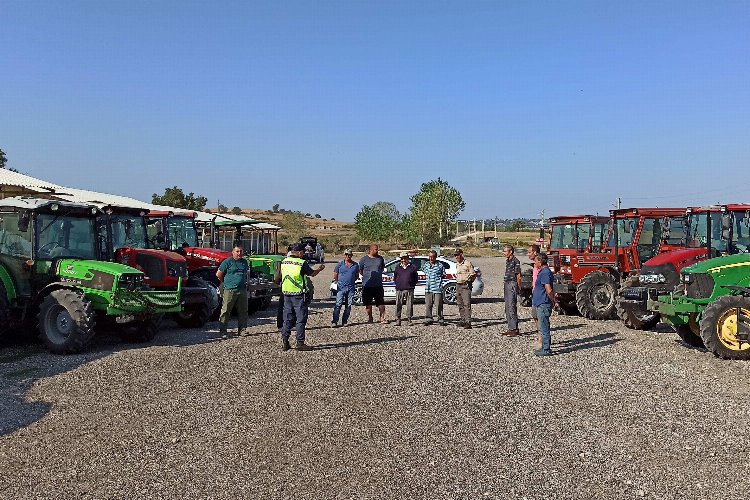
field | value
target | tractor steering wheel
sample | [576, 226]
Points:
[51, 244]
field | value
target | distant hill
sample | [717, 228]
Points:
[318, 227]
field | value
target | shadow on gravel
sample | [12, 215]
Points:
[567, 327]
[381, 340]
[593, 342]
[24, 361]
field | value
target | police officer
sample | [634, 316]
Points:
[295, 283]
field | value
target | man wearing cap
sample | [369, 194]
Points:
[405, 279]
[464, 280]
[294, 285]
[345, 275]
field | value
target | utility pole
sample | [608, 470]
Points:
[496, 227]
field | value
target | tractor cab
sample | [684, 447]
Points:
[54, 277]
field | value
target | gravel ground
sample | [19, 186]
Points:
[378, 412]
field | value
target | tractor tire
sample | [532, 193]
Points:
[142, 331]
[568, 307]
[197, 315]
[254, 305]
[66, 322]
[723, 321]
[690, 334]
[4, 312]
[450, 293]
[596, 296]
[640, 319]
[266, 303]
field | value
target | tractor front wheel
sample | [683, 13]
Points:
[66, 322]
[596, 296]
[197, 315]
[725, 327]
[4, 311]
[637, 319]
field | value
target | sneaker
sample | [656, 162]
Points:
[467, 326]
[442, 323]
[301, 346]
[542, 352]
[511, 333]
[334, 325]
[285, 344]
[428, 322]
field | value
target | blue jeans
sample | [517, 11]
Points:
[295, 309]
[343, 297]
[543, 312]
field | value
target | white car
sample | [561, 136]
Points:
[448, 285]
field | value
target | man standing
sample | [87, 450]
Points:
[533, 252]
[371, 267]
[232, 274]
[405, 279]
[511, 286]
[345, 275]
[465, 276]
[542, 302]
[433, 291]
[294, 285]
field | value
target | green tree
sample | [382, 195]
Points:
[276, 207]
[293, 225]
[433, 208]
[236, 211]
[377, 222]
[174, 197]
[3, 159]
[517, 225]
[223, 208]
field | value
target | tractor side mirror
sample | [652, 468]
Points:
[23, 221]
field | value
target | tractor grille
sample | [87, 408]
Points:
[152, 266]
[176, 269]
[701, 286]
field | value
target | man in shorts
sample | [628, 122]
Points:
[371, 268]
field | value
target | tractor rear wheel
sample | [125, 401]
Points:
[143, 330]
[596, 296]
[66, 322]
[690, 333]
[197, 315]
[4, 311]
[725, 327]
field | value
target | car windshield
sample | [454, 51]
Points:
[127, 231]
[65, 236]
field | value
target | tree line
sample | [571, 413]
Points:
[429, 219]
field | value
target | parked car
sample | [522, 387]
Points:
[314, 251]
[448, 285]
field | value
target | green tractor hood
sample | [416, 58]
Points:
[739, 263]
[116, 288]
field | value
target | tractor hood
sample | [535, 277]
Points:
[212, 256]
[95, 274]
[160, 254]
[740, 262]
[678, 258]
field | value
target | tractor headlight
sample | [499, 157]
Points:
[686, 278]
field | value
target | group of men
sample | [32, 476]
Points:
[295, 287]
[405, 277]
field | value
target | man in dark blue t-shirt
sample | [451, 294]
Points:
[542, 302]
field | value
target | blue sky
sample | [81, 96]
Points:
[325, 106]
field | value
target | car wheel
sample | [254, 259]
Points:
[450, 293]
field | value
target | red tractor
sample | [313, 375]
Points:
[127, 242]
[569, 235]
[588, 280]
[726, 231]
[177, 231]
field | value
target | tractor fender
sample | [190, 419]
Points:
[7, 281]
[58, 285]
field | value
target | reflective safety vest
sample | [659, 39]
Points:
[292, 280]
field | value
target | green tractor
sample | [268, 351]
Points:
[712, 308]
[52, 277]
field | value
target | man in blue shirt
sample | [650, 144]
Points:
[433, 290]
[232, 274]
[345, 275]
[542, 302]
